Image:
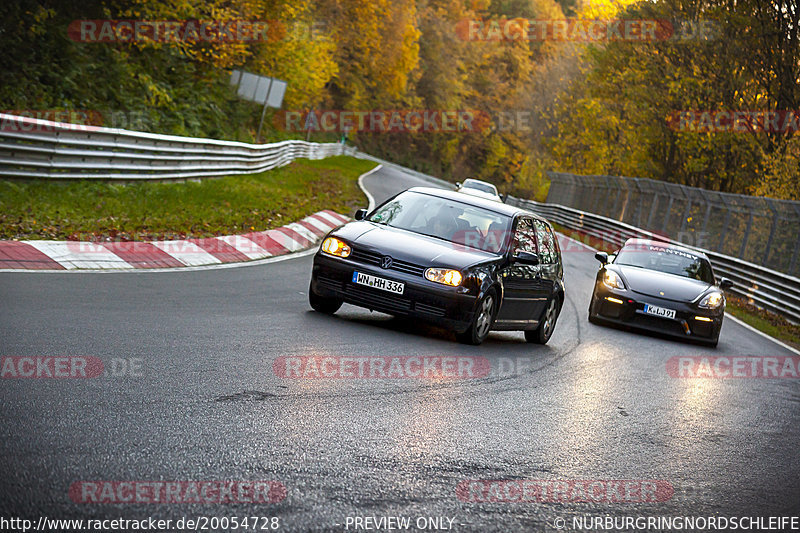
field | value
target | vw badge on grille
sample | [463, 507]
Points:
[386, 262]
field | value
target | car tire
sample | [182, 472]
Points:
[482, 322]
[592, 315]
[547, 325]
[321, 304]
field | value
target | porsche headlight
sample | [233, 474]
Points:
[445, 276]
[711, 300]
[334, 246]
[612, 280]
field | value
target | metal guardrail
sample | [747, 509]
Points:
[759, 230]
[33, 148]
[772, 290]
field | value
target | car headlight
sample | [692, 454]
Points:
[612, 280]
[334, 246]
[445, 276]
[712, 300]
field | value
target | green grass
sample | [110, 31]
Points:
[769, 323]
[84, 210]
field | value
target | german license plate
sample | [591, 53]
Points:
[378, 283]
[659, 311]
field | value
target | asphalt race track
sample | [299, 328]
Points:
[190, 394]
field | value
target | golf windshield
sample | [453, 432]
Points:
[456, 222]
[668, 260]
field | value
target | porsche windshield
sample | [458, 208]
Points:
[668, 260]
[445, 219]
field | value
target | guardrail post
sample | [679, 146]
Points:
[685, 217]
[640, 203]
[587, 193]
[746, 235]
[765, 258]
[723, 232]
[617, 197]
[794, 255]
[667, 214]
[653, 209]
[706, 217]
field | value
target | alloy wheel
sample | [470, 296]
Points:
[484, 321]
[549, 319]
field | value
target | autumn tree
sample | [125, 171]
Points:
[617, 119]
[376, 50]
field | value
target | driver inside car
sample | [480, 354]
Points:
[444, 224]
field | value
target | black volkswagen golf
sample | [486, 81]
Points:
[466, 263]
[660, 287]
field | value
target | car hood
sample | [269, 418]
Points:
[411, 247]
[654, 283]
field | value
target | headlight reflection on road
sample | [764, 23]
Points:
[428, 416]
[306, 408]
[592, 401]
[699, 398]
[590, 387]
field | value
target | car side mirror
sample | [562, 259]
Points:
[602, 257]
[361, 214]
[527, 258]
[458, 184]
[725, 283]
